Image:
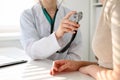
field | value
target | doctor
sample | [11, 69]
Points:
[46, 30]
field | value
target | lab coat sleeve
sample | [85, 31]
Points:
[36, 47]
[75, 50]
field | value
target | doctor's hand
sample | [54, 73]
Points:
[66, 26]
[64, 66]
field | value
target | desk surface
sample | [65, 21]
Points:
[34, 70]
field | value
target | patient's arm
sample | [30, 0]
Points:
[67, 66]
[101, 73]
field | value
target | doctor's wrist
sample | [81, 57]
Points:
[58, 35]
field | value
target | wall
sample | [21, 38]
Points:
[10, 43]
[10, 40]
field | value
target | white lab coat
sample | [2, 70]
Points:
[37, 40]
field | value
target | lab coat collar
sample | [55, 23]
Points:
[59, 16]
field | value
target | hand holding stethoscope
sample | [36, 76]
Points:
[66, 26]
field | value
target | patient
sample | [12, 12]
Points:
[106, 46]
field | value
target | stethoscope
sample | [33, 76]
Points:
[52, 27]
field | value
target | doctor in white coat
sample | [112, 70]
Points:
[46, 29]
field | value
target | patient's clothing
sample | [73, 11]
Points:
[106, 42]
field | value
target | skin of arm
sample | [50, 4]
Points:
[67, 66]
[101, 73]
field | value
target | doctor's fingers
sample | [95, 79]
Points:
[68, 28]
[69, 14]
[67, 21]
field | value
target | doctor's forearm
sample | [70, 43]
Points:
[45, 47]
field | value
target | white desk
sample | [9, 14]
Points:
[34, 70]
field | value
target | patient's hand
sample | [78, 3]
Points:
[64, 66]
